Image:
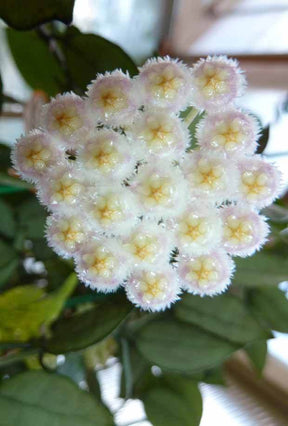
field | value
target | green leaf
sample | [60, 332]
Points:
[257, 353]
[224, 315]
[181, 347]
[5, 160]
[27, 14]
[270, 305]
[89, 54]
[25, 309]
[7, 223]
[13, 183]
[36, 63]
[32, 218]
[83, 330]
[263, 140]
[7, 270]
[192, 114]
[39, 398]
[179, 403]
[262, 269]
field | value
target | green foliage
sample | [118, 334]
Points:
[181, 347]
[224, 315]
[39, 68]
[26, 14]
[263, 269]
[89, 54]
[176, 402]
[270, 305]
[38, 398]
[87, 328]
[24, 310]
[7, 223]
[257, 353]
[32, 218]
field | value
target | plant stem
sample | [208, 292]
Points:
[20, 356]
[190, 116]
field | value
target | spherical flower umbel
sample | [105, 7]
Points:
[140, 198]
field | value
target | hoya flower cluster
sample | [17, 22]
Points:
[129, 199]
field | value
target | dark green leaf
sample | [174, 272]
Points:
[89, 54]
[32, 217]
[270, 304]
[263, 140]
[263, 268]
[224, 315]
[39, 68]
[26, 14]
[7, 270]
[257, 352]
[177, 403]
[38, 398]
[7, 254]
[182, 347]
[5, 161]
[83, 330]
[7, 222]
[13, 183]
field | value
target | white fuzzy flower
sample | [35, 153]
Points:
[102, 264]
[112, 98]
[153, 290]
[66, 233]
[259, 181]
[217, 83]
[209, 175]
[244, 230]
[34, 154]
[166, 83]
[231, 132]
[61, 189]
[107, 154]
[66, 117]
[149, 243]
[198, 230]
[208, 274]
[113, 209]
[163, 134]
[160, 188]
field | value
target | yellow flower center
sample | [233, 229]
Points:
[112, 100]
[144, 247]
[66, 120]
[103, 156]
[165, 84]
[208, 175]
[70, 233]
[157, 191]
[254, 185]
[101, 262]
[108, 210]
[66, 189]
[158, 135]
[212, 82]
[193, 229]
[153, 286]
[203, 270]
[37, 156]
[228, 135]
[238, 230]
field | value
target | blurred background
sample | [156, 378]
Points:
[256, 33]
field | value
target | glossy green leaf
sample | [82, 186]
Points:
[177, 403]
[87, 328]
[35, 61]
[7, 270]
[32, 218]
[7, 222]
[257, 353]
[39, 398]
[224, 315]
[262, 269]
[89, 54]
[25, 309]
[13, 182]
[181, 347]
[270, 305]
[26, 14]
